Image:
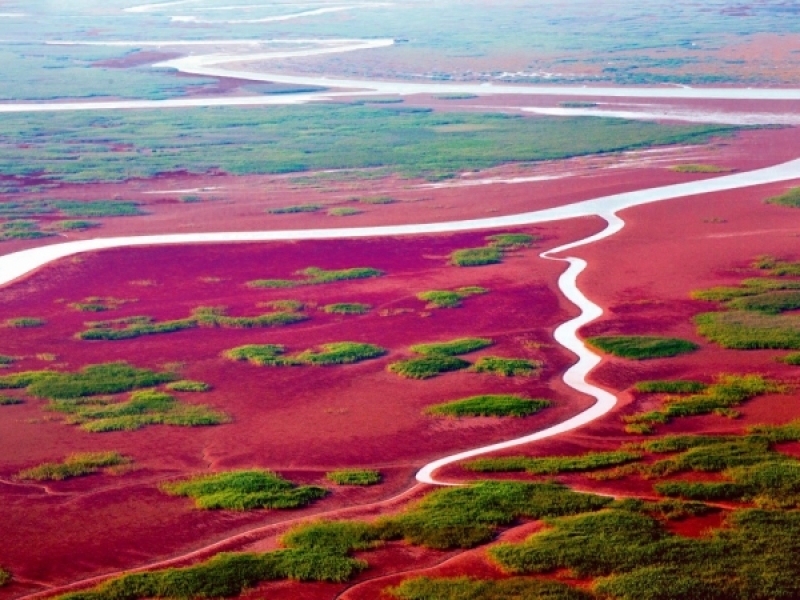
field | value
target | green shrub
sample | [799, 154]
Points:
[187, 385]
[317, 276]
[790, 198]
[75, 225]
[24, 322]
[465, 588]
[244, 490]
[8, 401]
[640, 347]
[668, 386]
[98, 208]
[354, 477]
[449, 298]
[700, 168]
[75, 465]
[343, 211]
[340, 353]
[791, 359]
[489, 406]
[347, 308]
[298, 208]
[6, 360]
[427, 366]
[506, 367]
[452, 348]
[771, 303]
[265, 354]
[475, 257]
[5, 577]
[553, 465]
[510, 241]
[745, 330]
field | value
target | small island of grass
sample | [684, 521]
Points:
[490, 405]
[641, 347]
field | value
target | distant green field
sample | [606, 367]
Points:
[110, 146]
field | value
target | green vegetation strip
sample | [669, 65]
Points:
[700, 168]
[452, 348]
[9, 401]
[506, 367]
[465, 588]
[449, 298]
[347, 308]
[24, 322]
[317, 276]
[188, 385]
[491, 405]
[790, 198]
[244, 490]
[745, 330]
[720, 397]
[553, 465]
[493, 252]
[427, 366]
[354, 477]
[774, 266]
[297, 208]
[640, 347]
[5, 577]
[335, 353]
[236, 140]
[75, 465]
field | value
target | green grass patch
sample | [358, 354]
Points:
[774, 266]
[491, 405]
[354, 477]
[244, 490]
[449, 298]
[376, 200]
[92, 380]
[426, 367]
[790, 198]
[296, 208]
[6, 360]
[24, 322]
[506, 367]
[9, 401]
[641, 347]
[452, 348]
[476, 257]
[670, 386]
[719, 397]
[75, 225]
[258, 354]
[187, 385]
[317, 276]
[335, 353]
[347, 308]
[285, 305]
[747, 330]
[512, 241]
[771, 303]
[144, 408]
[5, 577]
[456, 96]
[466, 588]
[700, 168]
[553, 465]
[98, 208]
[75, 465]
[344, 211]
[791, 359]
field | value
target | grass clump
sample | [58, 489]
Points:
[261, 355]
[790, 198]
[427, 366]
[144, 408]
[377, 200]
[452, 348]
[98, 208]
[9, 401]
[6, 360]
[476, 257]
[187, 385]
[745, 330]
[667, 386]
[244, 490]
[347, 308]
[344, 211]
[317, 276]
[553, 465]
[5, 577]
[720, 397]
[640, 347]
[105, 378]
[700, 168]
[340, 353]
[466, 588]
[492, 405]
[75, 225]
[24, 322]
[771, 303]
[449, 298]
[75, 465]
[791, 359]
[511, 241]
[779, 268]
[506, 367]
[297, 208]
[354, 477]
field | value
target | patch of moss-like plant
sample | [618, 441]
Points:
[727, 392]
[553, 465]
[426, 367]
[9, 401]
[362, 477]
[347, 308]
[188, 385]
[99, 304]
[24, 322]
[777, 267]
[640, 347]
[790, 198]
[144, 408]
[467, 588]
[449, 298]
[75, 465]
[98, 208]
[92, 380]
[5, 577]
[746, 330]
[791, 359]
[510, 241]
[476, 257]
[377, 200]
[490, 405]
[297, 208]
[317, 276]
[506, 367]
[75, 225]
[700, 168]
[452, 348]
[6, 360]
[244, 490]
[335, 353]
[344, 211]
[259, 354]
